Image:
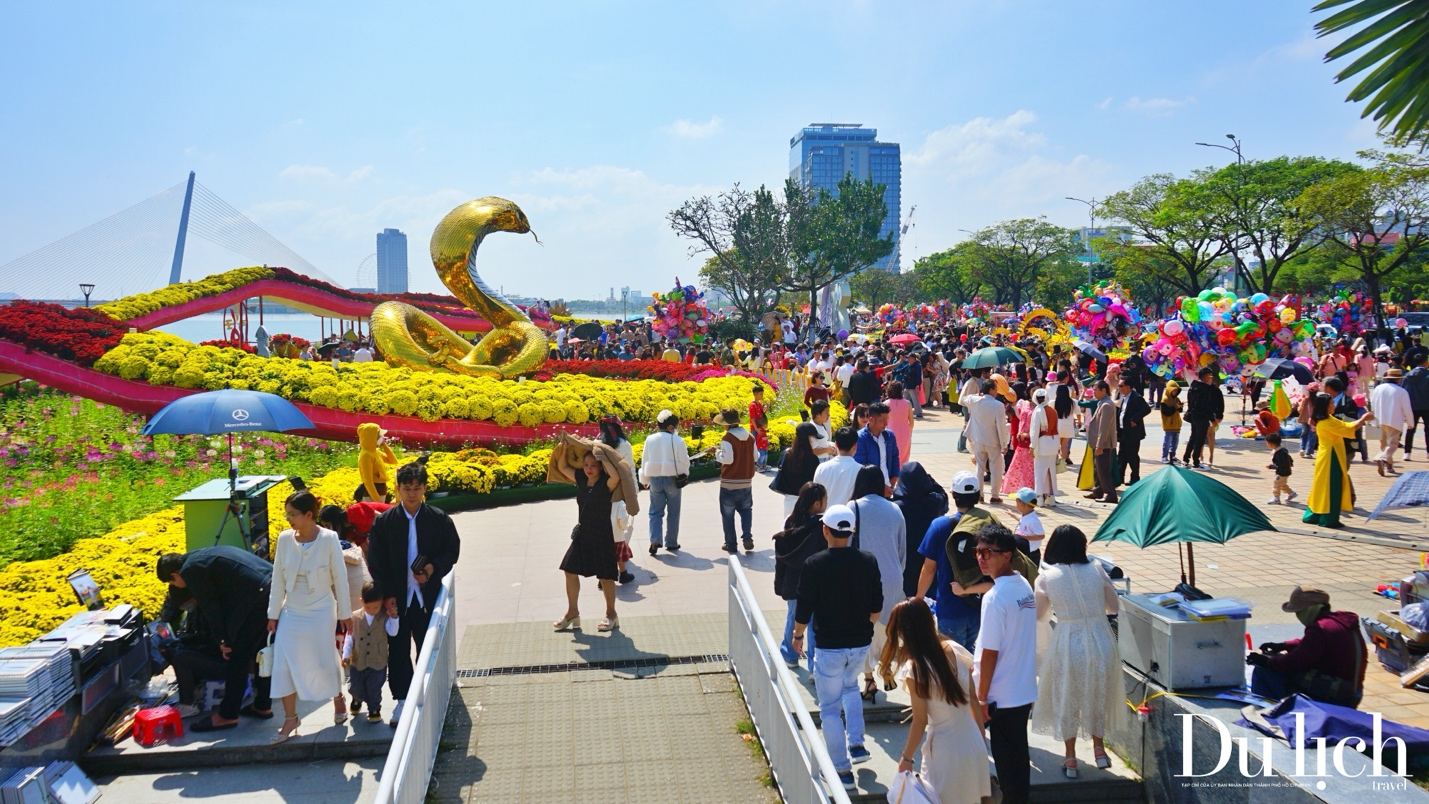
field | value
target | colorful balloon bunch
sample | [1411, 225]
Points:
[1349, 311]
[1103, 315]
[978, 310]
[1217, 327]
[891, 315]
[680, 314]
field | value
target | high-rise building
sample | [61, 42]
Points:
[823, 153]
[391, 261]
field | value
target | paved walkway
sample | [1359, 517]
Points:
[617, 731]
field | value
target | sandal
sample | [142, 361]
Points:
[870, 689]
[280, 737]
[1103, 761]
[340, 717]
[1069, 767]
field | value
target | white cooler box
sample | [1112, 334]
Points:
[1177, 652]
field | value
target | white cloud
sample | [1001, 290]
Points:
[973, 174]
[320, 173]
[691, 130]
[1156, 106]
[1105, 103]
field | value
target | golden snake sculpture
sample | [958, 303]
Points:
[406, 336]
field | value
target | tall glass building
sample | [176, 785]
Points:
[391, 261]
[823, 153]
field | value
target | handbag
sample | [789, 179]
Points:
[911, 788]
[265, 659]
[680, 480]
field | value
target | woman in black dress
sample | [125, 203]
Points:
[592, 550]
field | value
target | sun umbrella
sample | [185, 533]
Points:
[227, 412]
[1179, 505]
[1089, 350]
[1409, 490]
[586, 331]
[906, 337]
[992, 357]
[1278, 368]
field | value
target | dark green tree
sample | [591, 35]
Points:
[1179, 222]
[1011, 257]
[743, 234]
[948, 274]
[831, 235]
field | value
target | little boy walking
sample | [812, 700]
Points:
[364, 653]
[1281, 462]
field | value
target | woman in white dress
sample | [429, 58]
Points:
[309, 578]
[1079, 677]
[937, 673]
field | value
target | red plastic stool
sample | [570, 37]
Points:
[157, 724]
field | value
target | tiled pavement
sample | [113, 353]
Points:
[584, 733]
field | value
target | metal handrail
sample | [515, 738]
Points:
[408, 769]
[788, 695]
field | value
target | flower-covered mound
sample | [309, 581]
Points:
[81, 335]
[379, 389]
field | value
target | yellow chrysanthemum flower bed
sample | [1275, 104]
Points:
[379, 389]
[171, 295]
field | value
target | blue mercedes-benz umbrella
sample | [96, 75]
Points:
[227, 412]
[230, 413]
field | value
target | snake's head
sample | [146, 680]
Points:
[503, 215]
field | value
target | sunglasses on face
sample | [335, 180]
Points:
[987, 552]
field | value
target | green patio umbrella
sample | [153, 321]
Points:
[1179, 505]
[992, 357]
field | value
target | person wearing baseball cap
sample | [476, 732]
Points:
[841, 591]
[1326, 664]
[664, 467]
[956, 614]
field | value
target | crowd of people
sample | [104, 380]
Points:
[349, 593]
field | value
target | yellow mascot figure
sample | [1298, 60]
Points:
[373, 459]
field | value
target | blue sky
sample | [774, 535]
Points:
[326, 122]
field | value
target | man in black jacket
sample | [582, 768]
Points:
[400, 536]
[230, 587]
[1131, 412]
[1416, 382]
[1205, 404]
[863, 385]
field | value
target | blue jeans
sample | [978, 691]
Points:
[1308, 441]
[1268, 683]
[665, 494]
[730, 501]
[786, 648]
[1169, 440]
[962, 631]
[836, 684]
[761, 457]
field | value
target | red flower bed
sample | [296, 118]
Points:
[224, 343]
[82, 335]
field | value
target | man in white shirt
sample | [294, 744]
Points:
[789, 336]
[664, 458]
[561, 337]
[989, 433]
[971, 388]
[838, 474]
[1390, 403]
[362, 355]
[1005, 660]
[842, 372]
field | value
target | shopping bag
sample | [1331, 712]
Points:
[910, 788]
[265, 659]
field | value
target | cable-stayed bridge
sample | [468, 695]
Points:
[142, 247]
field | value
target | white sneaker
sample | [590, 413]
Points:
[1273, 501]
[1290, 496]
[397, 713]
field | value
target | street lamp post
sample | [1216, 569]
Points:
[1091, 228]
[1234, 148]
[86, 288]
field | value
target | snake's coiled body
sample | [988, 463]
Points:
[409, 337]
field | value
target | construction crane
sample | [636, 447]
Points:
[903, 230]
